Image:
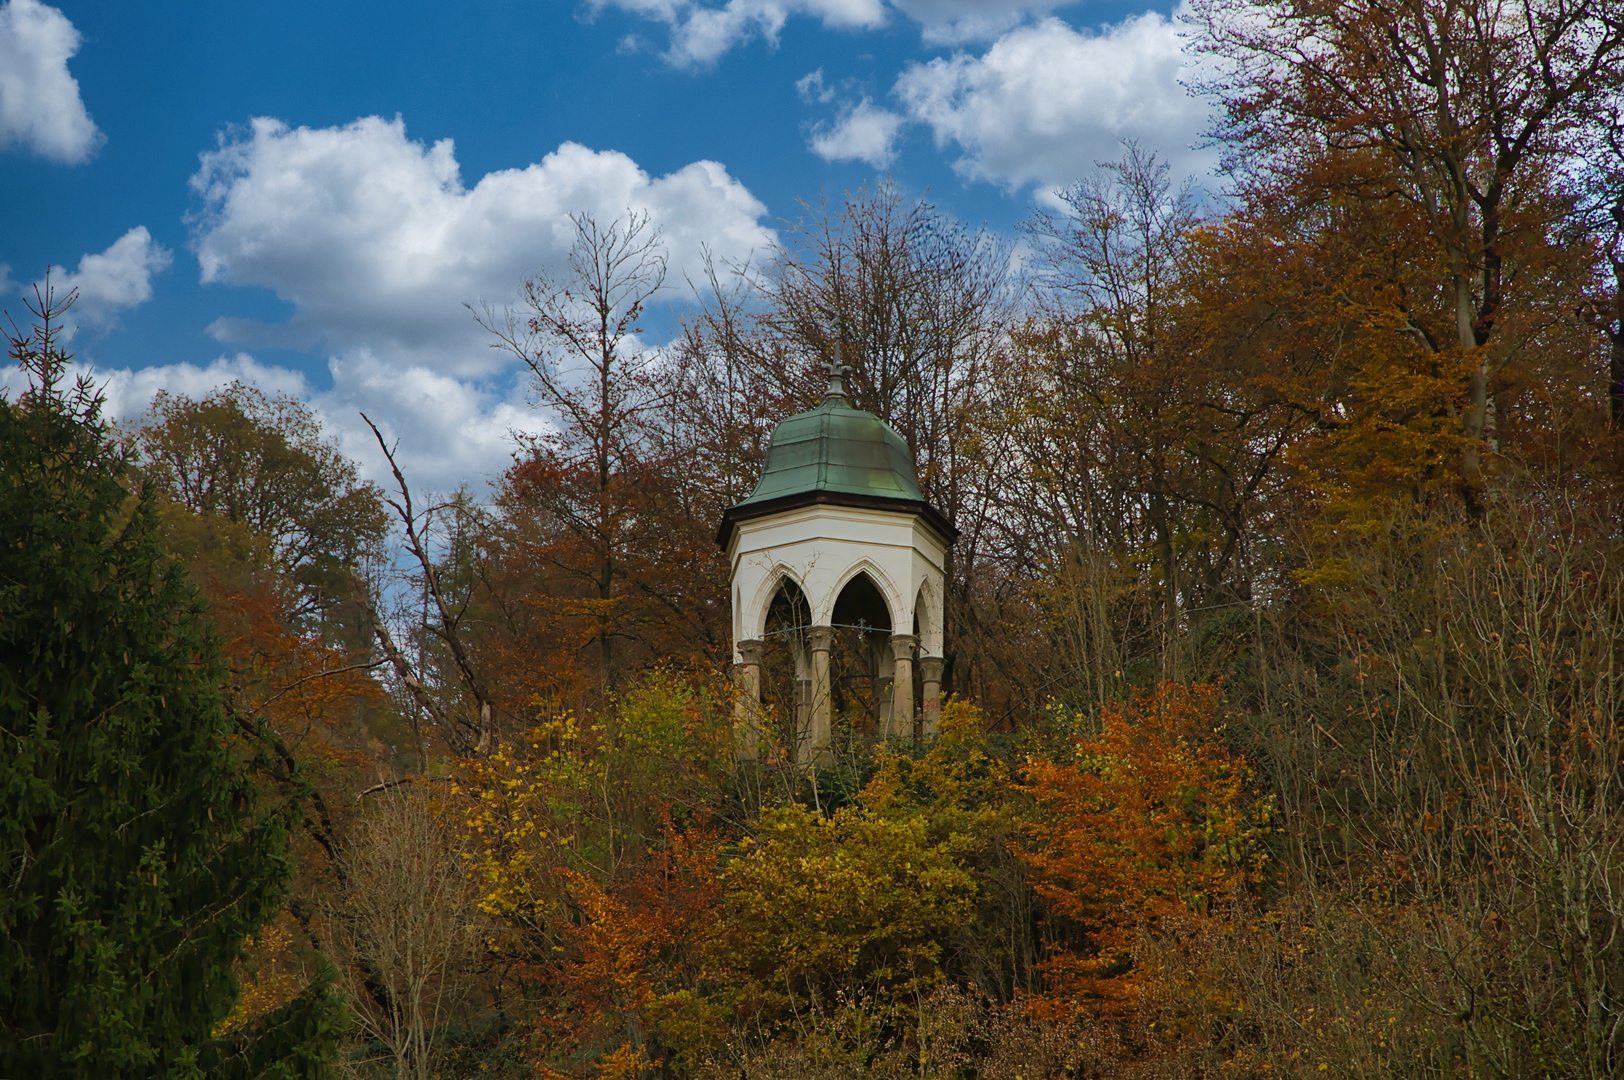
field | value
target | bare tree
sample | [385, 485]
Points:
[1112, 268]
[403, 931]
[919, 307]
[1456, 804]
[444, 619]
[1601, 226]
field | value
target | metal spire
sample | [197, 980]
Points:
[837, 376]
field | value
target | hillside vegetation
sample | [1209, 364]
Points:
[1285, 639]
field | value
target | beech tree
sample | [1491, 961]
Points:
[258, 461]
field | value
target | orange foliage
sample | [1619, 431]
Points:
[600, 579]
[1320, 314]
[283, 666]
[1152, 818]
[304, 687]
[638, 954]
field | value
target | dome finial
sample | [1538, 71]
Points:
[837, 376]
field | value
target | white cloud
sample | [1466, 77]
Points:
[444, 431]
[702, 32]
[953, 22]
[862, 132]
[126, 393]
[811, 88]
[1045, 102]
[116, 279]
[377, 244]
[448, 431]
[40, 107]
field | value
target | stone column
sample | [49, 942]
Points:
[902, 695]
[882, 660]
[747, 706]
[814, 745]
[930, 671]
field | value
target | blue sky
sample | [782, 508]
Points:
[304, 195]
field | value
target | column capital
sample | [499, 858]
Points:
[820, 638]
[750, 651]
[902, 645]
[930, 668]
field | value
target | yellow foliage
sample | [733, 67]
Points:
[586, 797]
[271, 977]
[819, 904]
[956, 781]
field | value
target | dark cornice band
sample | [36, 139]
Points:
[748, 511]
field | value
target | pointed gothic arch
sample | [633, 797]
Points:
[864, 569]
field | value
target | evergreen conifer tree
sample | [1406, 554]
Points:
[135, 852]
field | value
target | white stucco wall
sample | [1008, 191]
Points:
[821, 548]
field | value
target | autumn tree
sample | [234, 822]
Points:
[1104, 411]
[404, 928]
[1156, 447]
[1151, 818]
[238, 457]
[917, 304]
[598, 479]
[594, 846]
[273, 525]
[964, 788]
[1458, 114]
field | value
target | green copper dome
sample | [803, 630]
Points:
[840, 456]
[836, 448]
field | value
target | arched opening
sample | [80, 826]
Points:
[861, 605]
[786, 668]
[861, 662]
[928, 620]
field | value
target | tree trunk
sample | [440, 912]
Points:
[1615, 360]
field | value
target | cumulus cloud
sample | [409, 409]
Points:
[862, 132]
[448, 431]
[701, 32]
[116, 279]
[954, 22]
[445, 431]
[40, 107]
[1045, 102]
[126, 393]
[377, 244]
